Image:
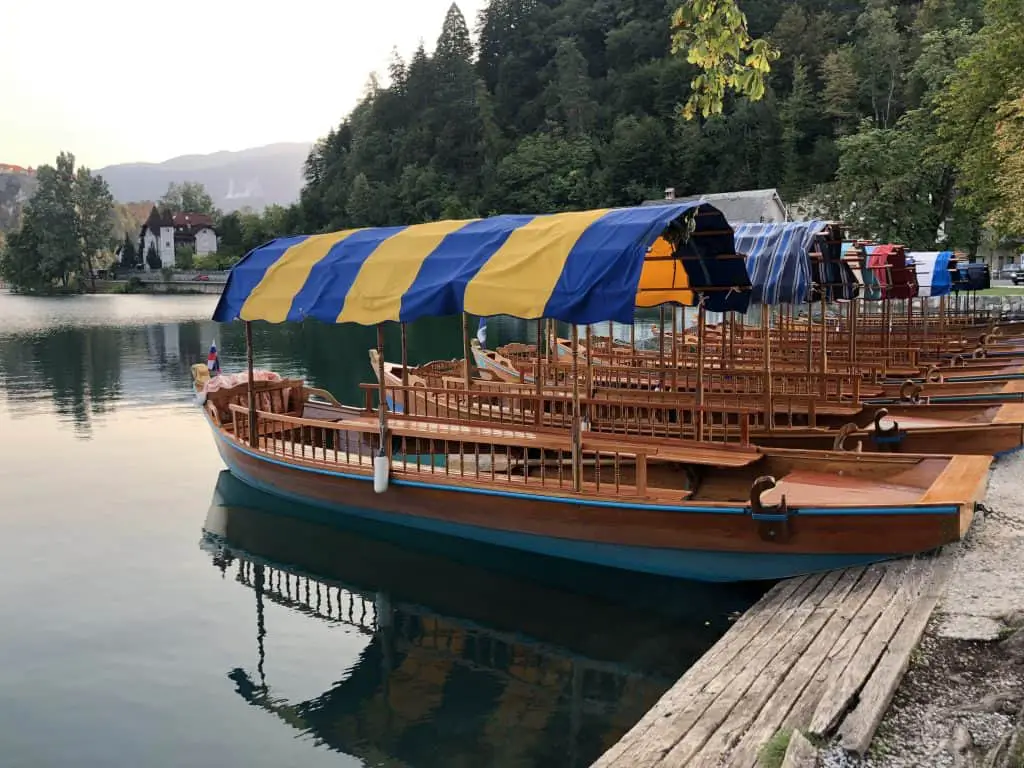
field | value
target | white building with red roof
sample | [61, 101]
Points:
[167, 231]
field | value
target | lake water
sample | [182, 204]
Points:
[155, 612]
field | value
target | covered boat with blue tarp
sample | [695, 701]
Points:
[700, 509]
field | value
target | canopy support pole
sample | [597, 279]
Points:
[699, 421]
[910, 320]
[590, 362]
[577, 457]
[253, 431]
[405, 357]
[851, 320]
[675, 351]
[810, 341]
[824, 342]
[661, 344]
[382, 406]
[886, 334]
[611, 341]
[466, 351]
[538, 408]
[769, 404]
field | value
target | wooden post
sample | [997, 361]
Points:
[769, 401]
[661, 344]
[467, 352]
[886, 333]
[851, 320]
[538, 407]
[577, 453]
[701, 319]
[590, 362]
[405, 358]
[382, 406]
[824, 335]
[253, 431]
[810, 340]
[675, 352]
[910, 319]
[611, 339]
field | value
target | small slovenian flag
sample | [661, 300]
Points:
[212, 361]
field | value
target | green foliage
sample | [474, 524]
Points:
[575, 104]
[714, 35]
[224, 258]
[153, 258]
[184, 257]
[65, 225]
[188, 197]
[129, 254]
[773, 752]
[976, 110]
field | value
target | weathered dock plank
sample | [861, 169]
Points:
[811, 667]
[846, 687]
[768, 689]
[860, 725]
[800, 753]
[819, 654]
[650, 731]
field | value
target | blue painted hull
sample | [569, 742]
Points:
[694, 564]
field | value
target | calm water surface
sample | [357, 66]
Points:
[155, 612]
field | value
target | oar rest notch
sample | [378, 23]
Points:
[910, 392]
[839, 444]
[773, 521]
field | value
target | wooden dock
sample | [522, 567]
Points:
[819, 654]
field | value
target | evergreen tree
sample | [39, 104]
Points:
[153, 258]
[569, 92]
[129, 256]
[361, 203]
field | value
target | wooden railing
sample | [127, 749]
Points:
[728, 417]
[494, 457]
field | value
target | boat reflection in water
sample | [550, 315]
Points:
[524, 662]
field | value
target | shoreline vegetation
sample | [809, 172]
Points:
[901, 120]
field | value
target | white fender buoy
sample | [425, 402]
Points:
[380, 474]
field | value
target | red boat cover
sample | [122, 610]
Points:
[897, 278]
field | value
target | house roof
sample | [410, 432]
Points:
[751, 205]
[192, 220]
[156, 220]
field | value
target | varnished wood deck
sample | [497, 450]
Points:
[822, 654]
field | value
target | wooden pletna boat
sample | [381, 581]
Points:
[931, 414]
[684, 508]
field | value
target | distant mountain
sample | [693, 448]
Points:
[255, 177]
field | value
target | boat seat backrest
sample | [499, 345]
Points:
[285, 397]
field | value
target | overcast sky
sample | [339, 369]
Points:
[115, 81]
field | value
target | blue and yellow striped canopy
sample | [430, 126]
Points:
[578, 267]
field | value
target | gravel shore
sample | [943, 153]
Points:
[960, 703]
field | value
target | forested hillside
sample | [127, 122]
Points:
[574, 103]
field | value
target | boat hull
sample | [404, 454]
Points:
[700, 542]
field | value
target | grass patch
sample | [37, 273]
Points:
[1016, 758]
[773, 752]
[1004, 290]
